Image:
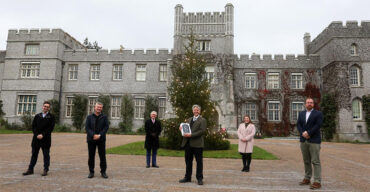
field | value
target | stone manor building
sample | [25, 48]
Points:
[43, 64]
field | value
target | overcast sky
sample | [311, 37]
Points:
[261, 26]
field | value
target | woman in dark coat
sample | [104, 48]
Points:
[153, 129]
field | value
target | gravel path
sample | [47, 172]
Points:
[346, 167]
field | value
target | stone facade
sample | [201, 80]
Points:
[43, 64]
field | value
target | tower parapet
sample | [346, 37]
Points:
[43, 34]
[338, 29]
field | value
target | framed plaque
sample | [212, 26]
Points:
[185, 128]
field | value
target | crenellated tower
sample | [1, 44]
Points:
[214, 31]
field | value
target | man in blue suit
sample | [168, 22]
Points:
[308, 124]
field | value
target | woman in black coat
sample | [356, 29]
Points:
[153, 129]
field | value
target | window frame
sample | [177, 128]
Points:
[271, 81]
[162, 73]
[161, 109]
[137, 72]
[274, 114]
[359, 109]
[116, 107]
[26, 50]
[30, 69]
[32, 106]
[210, 76]
[96, 72]
[140, 114]
[296, 81]
[295, 111]
[245, 109]
[250, 74]
[69, 106]
[354, 49]
[358, 73]
[117, 72]
[73, 69]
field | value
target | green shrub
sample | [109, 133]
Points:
[216, 141]
[27, 121]
[55, 109]
[124, 128]
[329, 109]
[127, 113]
[62, 128]
[79, 111]
[172, 135]
[141, 131]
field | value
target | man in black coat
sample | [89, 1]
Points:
[308, 124]
[96, 128]
[153, 129]
[42, 126]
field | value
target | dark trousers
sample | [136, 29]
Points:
[35, 154]
[247, 158]
[101, 150]
[152, 152]
[190, 152]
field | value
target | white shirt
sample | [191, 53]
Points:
[44, 114]
[308, 113]
[195, 118]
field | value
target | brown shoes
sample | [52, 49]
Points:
[305, 182]
[315, 185]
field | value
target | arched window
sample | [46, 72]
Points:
[356, 109]
[354, 50]
[354, 72]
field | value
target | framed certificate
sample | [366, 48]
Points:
[185, 128]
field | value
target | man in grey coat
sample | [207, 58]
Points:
[193, 143]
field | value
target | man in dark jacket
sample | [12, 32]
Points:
[96, 128]
[153, 129]
[194, 143]
[308, 124]
[42, 126]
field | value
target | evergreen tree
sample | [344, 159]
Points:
[105, 100]
[151, 104]
[127, 113]
[79, 111]
[55, 109]
[189, 85]
[90, 45]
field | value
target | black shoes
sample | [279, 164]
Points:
[200, 181]
[147, 166]
[91, 175]
[245, 169]
[156, 166]
[104, 175]
[44, 173]
[28, 172]
[184, 180]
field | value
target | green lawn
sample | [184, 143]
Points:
[137, 148]
[6, 131]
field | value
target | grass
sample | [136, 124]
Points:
[6, 131]
[137, 148]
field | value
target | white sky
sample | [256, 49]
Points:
[261, 26]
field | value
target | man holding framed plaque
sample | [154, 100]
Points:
[193, 143]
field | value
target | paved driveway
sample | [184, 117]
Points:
[346, 167]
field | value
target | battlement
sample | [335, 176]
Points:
[276, 61]
[116, 54]
[204, 22]
[43, 34]
[276, 57]
[339, 29]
